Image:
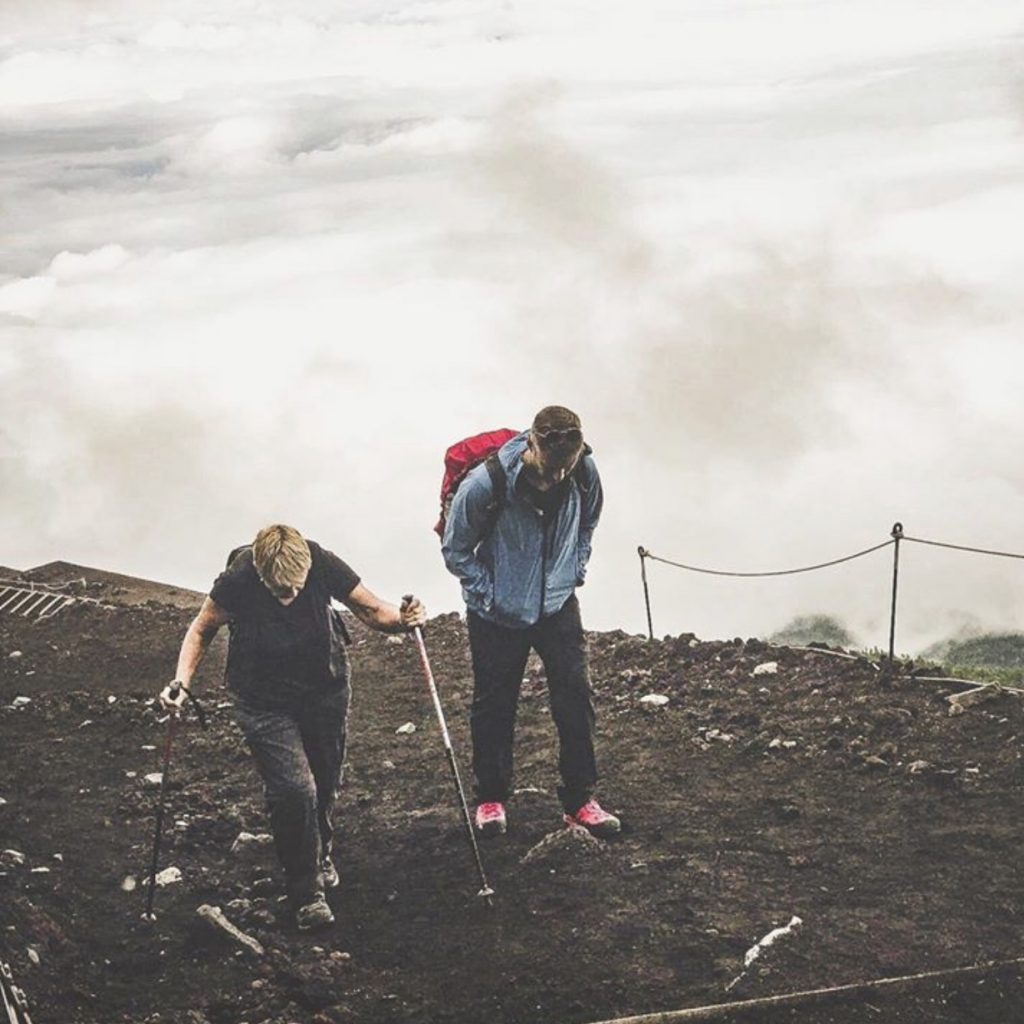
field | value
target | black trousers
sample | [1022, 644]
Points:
[300, 755]
[499, 660]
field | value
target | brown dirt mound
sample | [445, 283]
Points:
[887, 825]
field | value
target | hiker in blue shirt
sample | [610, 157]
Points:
[518, 537]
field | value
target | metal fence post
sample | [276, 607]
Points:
[642, 552]
[897, 536]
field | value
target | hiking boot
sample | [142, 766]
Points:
[329, 873]
[595, 819]
[490, 819]
[316, 914]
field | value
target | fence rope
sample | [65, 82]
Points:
[779, 572]
[963, 547]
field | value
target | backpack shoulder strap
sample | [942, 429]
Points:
[235, 553]
[499, 485]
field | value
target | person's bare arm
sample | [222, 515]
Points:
[382, 615]
[201, 631]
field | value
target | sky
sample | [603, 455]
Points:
[265, 261]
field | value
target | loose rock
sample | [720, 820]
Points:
[654, 700]
[574, 839]
[248, 841]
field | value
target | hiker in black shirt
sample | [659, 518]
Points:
[289, 672]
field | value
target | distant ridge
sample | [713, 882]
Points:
[114, 587]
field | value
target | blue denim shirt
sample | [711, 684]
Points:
[528, 566]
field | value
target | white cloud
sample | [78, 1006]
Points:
[281, 255]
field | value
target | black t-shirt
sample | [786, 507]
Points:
[278, 654]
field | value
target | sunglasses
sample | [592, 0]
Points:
[570, 435]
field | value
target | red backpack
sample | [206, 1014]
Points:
[463, 456]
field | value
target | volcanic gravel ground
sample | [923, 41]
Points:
[890, 827]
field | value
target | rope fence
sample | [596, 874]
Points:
[896, 537]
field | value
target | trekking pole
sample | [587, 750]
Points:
[485, 890]
[172, 721]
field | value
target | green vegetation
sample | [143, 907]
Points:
[989, 658]
[814, 629]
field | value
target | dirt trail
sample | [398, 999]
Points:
[890, 827]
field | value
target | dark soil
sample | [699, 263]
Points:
[893, 870]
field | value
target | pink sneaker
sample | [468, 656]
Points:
[490, 819]
[597, 821]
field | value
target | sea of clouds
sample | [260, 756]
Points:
[265, 261]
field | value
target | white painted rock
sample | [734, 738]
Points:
[766, 668]
[406, 730]
[168, 876]
[654, 700]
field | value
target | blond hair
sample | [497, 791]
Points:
[281, 555]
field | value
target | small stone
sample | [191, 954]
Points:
[131, 775]
[654, 700]
[15, 655]
[168, 876]
[147, 746]
[916, 767]
[246, 841]
[338, 956]
[153, 778]
[874, 761]
[2, 801]
[59, 857]
[111, 699]
[775, 744]
[956, 709]
[128, 884]
[389, 764]
[12, 858]
[406, 730]
[396, 640]
[20, 702]
[82, 725]
[40, 871]
[33, 956]
[766, 668]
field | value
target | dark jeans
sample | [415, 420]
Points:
[499, 659]
[300, 755]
